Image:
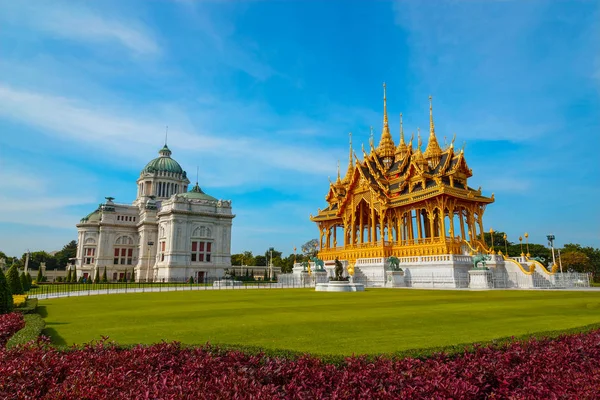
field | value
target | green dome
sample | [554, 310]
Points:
[94, 216]
[164, 163]
[196, 194]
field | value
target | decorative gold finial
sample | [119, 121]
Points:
[419, 142]
[338, 178]
[371, 140]
[431, 125]
[350, 162]
[453, 139]
[412, 136]
[401, 130]
[385, 117]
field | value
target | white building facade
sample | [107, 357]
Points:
[168, 234]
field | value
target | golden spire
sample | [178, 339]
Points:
[419, 141]
[402, 149]
[350, 162]
[433, 151]
[371, 141]
[401, 131]
[386, 146]
[339, 180]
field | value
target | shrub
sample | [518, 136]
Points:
[97, 276]
[19, 300]
[59, 279]
[40, 277]
[191, 280]
[68, 278]
[74, 275]
[104, 279]
[28, 307]
[24, 282]
[9, 324]
[34, 324]
[565, 367]
[13, 280]
[29, 280]
[6, 301]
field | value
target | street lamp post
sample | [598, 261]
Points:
[551, 243]
[150, 243]
[492, 238]
[527, 241]
[271, 264]
[505, 246]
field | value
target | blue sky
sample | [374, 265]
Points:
[261, 96]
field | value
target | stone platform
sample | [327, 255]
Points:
[340, 286]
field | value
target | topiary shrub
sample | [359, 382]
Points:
[6, 301]
[14, 281]
[104, 278]
[24, 282]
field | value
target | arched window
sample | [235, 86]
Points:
[123, 252]
[89, 251]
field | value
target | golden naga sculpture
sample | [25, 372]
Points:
[402, 201]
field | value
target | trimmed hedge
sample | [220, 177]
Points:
[34, 324]
[29, 307]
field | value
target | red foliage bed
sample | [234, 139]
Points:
[567, 367]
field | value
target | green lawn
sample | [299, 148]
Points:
[375, 321]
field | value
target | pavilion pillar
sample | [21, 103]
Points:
[362, 227]
[451, 216]
[373, 238]
[442, 225]
[419, 229]
[334, 227]
[462, 223]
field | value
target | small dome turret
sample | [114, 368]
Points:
[196, 194]
[164, 163]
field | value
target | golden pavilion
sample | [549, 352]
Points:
[401, 201]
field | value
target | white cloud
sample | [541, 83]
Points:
[109, 132]
[74, 22]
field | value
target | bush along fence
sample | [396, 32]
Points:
[564, 367]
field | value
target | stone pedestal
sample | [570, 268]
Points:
[394, 279]
[321, 276]
[340, 286]
[480, 279]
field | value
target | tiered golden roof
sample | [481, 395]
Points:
[401, 202]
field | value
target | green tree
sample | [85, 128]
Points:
[68, 279]
[260, 261]
[74, 274]
[29, 280]
[576, 261]
[104, 278]
[237, 259]
[311, 248]
[132, 275]
[97, 276]
[6, 301]
[24, 282]
[62, 257]
[266, 275]
[40, 277]
[191, 280]
[13, 280]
